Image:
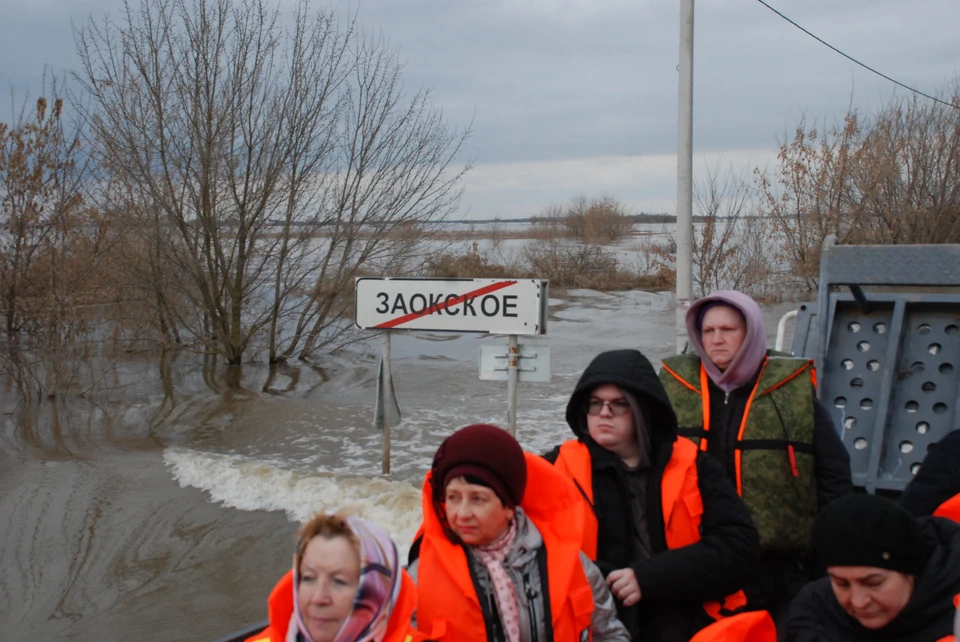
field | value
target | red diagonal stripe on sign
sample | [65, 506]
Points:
[487, 289]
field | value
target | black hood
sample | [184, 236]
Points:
[631, 371]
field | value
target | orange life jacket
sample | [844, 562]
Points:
[680, 500]
[755, 626]
[280, 607]
[949, 509]
[448, 608]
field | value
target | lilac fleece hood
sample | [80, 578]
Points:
[750, 357]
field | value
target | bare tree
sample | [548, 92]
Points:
[726, 251]
[909, 173]
[395, 180]
[263, 162]
[893, 177]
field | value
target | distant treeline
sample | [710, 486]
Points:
[642, 217]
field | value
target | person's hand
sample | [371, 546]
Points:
[623, 584]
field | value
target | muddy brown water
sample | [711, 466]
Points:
[164, 508]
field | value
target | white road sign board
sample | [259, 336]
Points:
[494, 306]
[533, 363]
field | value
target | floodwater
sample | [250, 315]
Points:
[164, 509]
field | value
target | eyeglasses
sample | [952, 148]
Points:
[618, 407]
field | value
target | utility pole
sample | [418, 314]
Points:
[685, 172]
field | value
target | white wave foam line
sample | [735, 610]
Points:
[250, 485]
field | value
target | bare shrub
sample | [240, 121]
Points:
[657, 255]
[550, 217]
[472, 264]
[607, 221]
[602, 220]
[580, 265]
[56, 284]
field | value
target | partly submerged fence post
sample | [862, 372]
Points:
[387, 411]
[387, 389]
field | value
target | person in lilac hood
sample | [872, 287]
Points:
[757, 412]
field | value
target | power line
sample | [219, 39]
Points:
[852, 59]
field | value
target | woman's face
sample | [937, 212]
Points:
[722, 333]
[329, 577]
[475, 513]
[873, 596]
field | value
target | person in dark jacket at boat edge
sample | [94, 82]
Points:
[672, 575]
[757, 412]
[890, 577]
[936, 488]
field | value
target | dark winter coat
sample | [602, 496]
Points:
[674, 583]
[816, 615]
[937, 480]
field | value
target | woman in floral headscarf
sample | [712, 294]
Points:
[346, 585]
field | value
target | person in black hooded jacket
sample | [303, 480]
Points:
[938, 479]
[672, 576]
[891, 578]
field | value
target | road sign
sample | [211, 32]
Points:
[533, 362]
[494, 306]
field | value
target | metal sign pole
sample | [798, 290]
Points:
[513, 359]
[387, 387]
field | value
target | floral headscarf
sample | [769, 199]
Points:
[378, 592]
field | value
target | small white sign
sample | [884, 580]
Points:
[533, 365]
[494, 306]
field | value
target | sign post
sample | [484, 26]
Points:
[514, 363]
[512, 370]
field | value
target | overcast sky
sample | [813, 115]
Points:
[579, 97]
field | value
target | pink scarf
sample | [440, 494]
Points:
[492, 557]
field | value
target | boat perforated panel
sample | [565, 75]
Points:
[892, 383]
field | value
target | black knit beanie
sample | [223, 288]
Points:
[867, 530]
[484, 454]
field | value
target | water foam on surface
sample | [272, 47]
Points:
[245, 484]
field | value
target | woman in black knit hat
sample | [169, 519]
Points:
[889, 577]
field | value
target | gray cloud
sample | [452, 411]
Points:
[554, 80]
